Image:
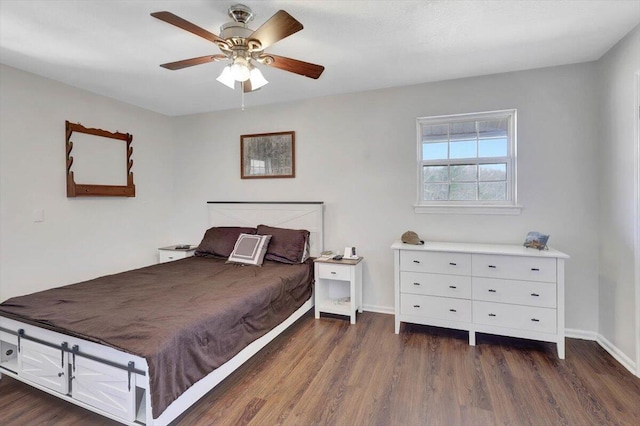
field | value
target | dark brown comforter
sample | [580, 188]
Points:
[186, 318]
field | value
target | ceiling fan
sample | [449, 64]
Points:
[243, 48]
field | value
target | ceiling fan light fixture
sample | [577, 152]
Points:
[240, 69]
[257, 79]
[226, 77]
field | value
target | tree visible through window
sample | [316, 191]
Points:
[467, 159]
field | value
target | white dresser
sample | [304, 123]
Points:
[500, 289]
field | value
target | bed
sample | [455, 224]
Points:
[180, 329]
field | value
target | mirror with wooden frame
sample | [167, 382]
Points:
[107, 163]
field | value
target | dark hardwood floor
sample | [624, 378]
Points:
[328, 372]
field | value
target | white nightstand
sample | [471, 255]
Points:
[171, 253]
[338, 287]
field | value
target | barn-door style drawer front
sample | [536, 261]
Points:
[436, 307]
[458, 286]
[102, 386]
[514, 267]
[436, 263]
[515, 316]
[514, 292]
[44, 365]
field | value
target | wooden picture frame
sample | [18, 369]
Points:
[77, 189]
[268, 155]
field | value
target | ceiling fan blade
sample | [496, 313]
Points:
[293, 65]
[172, 19]
[279, 26]
[193, 61]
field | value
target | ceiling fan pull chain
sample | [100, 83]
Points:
[242, 91]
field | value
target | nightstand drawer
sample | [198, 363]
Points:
[515, 316]
[458, 286]
[171, 255]
[517, 292]
[435, 307]
[330, 271]
[435, 263]
[514, 267]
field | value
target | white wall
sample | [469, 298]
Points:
[80, 238]
[357, 154]
[616, 170]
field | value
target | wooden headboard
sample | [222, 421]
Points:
[294, 215]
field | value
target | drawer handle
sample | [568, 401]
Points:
[452, 310]
[452, 286]
[333, 272]
[60, 374]
[416, 306]
[492, 290]
[453, 264]
[535, 294]
[535, 269]
[416, 283]
[535, 320]
[416, 261]
[492, 266]
[492, 315]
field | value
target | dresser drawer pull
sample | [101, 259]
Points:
[535, 320]
[535, 269]
[416, 261]
[416, 283]
[535, 294]
[453, 264]
[492, 315]
[452, 310]
[492, 290]
[333, 273]
[416, 306]
[492, 266]
[453, 286]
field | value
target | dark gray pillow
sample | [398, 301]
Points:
[220, 241]
[286, 245]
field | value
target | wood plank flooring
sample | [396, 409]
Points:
[328, 372]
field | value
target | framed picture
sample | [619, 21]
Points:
[536, 240]
[268, 155]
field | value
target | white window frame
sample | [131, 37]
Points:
[509, 206]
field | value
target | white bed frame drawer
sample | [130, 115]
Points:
[458, 286]
[43, 365]
[104, 387]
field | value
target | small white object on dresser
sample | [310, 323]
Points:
[508, 290]
[338, 287]
[171, 253]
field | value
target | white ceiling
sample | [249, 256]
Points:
[114, 47]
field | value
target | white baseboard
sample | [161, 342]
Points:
[613, 350]
[580, 334]
[379, 309]
[619, 356]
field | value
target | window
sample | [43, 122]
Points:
[467, 163]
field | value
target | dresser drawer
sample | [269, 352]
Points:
[514, 267]
[514, 316]
[330, 271]
[435, 307]
[458, 286]
[435, 263]
[516, 292]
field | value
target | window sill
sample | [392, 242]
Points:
[478, 209]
